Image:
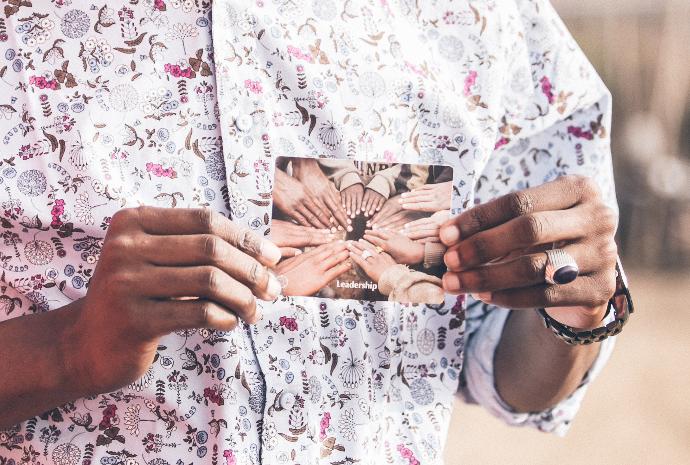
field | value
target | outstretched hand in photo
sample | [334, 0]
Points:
[307, 273]
[293, 199]
[309, 173]
[291, 237]
[403, 249]
[428, 198]
[351, 198]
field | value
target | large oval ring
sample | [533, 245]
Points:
[561, 267]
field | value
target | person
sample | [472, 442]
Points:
[141, 319]
[396, 280]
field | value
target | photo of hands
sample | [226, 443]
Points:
[360, 230]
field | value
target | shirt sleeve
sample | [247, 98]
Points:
[556, 122]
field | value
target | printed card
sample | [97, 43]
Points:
[352, 229]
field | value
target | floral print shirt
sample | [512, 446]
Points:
[107, 105]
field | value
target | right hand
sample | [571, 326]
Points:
[308, 171]
[291, 237]
[150, 257]
[389, 208]
[307, 273]
[426, 228]
[293, 199]
[351, 197]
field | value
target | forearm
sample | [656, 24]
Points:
[534, 370]
[36, 362]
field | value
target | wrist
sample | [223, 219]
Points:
[72, 353]
[579, 318]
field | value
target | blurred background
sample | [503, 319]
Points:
[638, 411]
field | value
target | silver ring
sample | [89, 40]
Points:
[366, 254]
[561, 268]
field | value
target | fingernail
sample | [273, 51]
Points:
[450, 234]
[484, 296]
[452, 260]
[298, 252]
[273, 289]
[349, 229]
[404, 194]
[334, 230]
[340, 228]
[451, 282]
[270, 251]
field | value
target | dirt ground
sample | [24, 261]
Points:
[637, 411]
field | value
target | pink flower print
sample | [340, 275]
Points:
[470, 81]
[229, 457]
[253, 86]
[580, 133]
[501, 142]
[157, 170]
[407, 454]
[289, 323]
[300, 54]
[389, 156]
[325, 423]
[547, 89]
[159, 5]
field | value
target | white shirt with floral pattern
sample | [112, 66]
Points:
[107, 105]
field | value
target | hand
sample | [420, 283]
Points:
[373, 266]
[372, 202]
[397, 220]
[292, 198]
[313, 270]
[428, 198]
[390, 207]
[569, 210]
[401, 248]
[351, 198]
[153, 261]
[426, 228]
[307, 170]
[285, 234]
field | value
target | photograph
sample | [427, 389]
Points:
[351, 229]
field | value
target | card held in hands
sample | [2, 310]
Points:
[351, 229]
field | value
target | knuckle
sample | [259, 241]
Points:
[210, 279]
[202, 314]
[533, 228]
[479, 218]
[608, 219]
[550, 296]
[258, 275]
[534, 266]
[520, 203]
[206, 218]
[211, 247]
[584, 185]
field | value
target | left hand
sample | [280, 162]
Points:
[403, 249]
[492, 250]
[372, 202]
